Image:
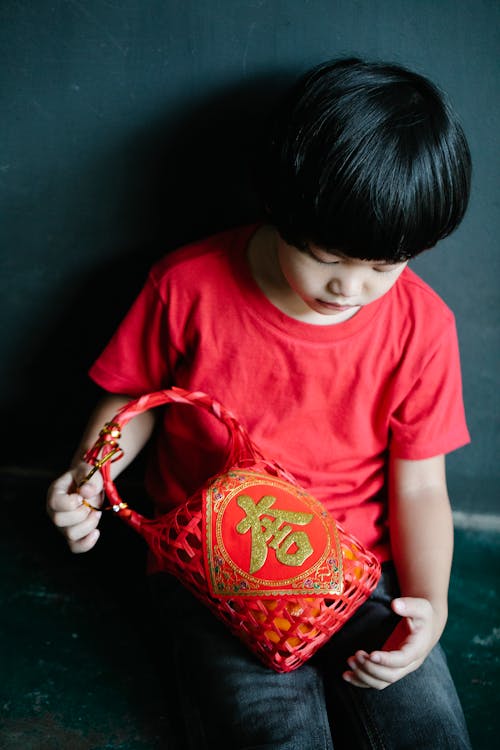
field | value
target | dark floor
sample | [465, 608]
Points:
[79, 662]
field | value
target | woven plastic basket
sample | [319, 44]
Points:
[257, 549]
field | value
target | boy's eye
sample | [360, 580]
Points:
[386, 269]
[328, 260]
[325, 262]
[318, 255]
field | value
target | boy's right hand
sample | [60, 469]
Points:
[75, 520]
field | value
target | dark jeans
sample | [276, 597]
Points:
[228, 699]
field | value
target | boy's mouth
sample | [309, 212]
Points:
[335, 306]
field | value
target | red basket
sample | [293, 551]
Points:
[257, 549]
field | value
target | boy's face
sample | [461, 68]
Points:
[331, 285]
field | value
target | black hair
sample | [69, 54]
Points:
[367, 159]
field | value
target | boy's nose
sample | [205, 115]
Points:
[347, 284]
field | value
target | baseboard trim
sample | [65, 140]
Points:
[461, 519]
[476, 521]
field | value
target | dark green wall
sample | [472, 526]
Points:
[125, 132]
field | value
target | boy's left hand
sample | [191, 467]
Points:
[405, 650]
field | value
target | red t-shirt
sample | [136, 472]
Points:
[327, 402]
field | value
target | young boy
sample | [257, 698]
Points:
[343, 365]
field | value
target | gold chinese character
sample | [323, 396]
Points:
[266, 524]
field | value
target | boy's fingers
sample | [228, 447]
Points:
[412, 607]
[89, 491]
[364, 664]
[83, 481]
[392, 659]
[365, 672]
[68, 505]
[65, 493]
[63, 519]
[79, 531]
[359, 682]
[85, 544]
[370, 669]
[61, 498]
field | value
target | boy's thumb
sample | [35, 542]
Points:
[91, 496]
[90, 489]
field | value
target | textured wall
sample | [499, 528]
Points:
[125, 131]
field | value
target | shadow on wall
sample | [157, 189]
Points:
[179, 178]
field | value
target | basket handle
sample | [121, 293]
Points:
[106, 449]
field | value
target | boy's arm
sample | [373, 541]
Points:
[76, 521]
[421, 529]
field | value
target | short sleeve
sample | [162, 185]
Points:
[430, 420]
[138, 358]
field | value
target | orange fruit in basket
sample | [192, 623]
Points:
[282, 624]
[274, 637]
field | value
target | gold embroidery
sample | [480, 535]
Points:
[265, 524]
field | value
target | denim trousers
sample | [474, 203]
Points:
[227, 698]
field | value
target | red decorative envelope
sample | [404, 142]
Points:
[265, 536]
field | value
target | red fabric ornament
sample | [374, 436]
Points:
[256, 548]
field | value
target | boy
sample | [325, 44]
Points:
[343, 366]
